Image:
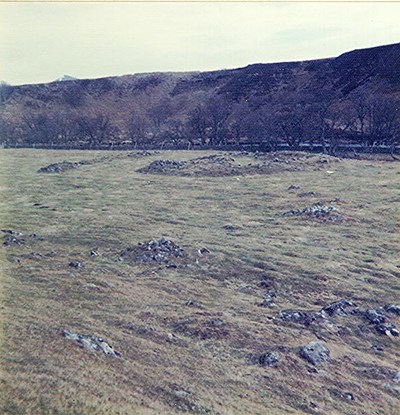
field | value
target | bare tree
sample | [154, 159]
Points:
[97, 130]
[197, 125]
[137, 129]
[6, 91]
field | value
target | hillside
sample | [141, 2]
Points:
[156, 105]
[205, 282]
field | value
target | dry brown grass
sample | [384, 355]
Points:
[174, 359]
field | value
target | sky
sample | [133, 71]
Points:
[40, 42]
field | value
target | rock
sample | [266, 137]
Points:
[294, 187]
[247, 289]
[192, 303]
[108, 284]
[377, 348]
[316, 353]
[337, 308]
[268, 300]
[296, 316]
[268, 359]
[392, 308]
[13, 240]
[392, 387]
[92, 343]
[374, 316]
[94, 253]
[389, 329]
[89, 285]
[76, 264]
[216, 322]
[348, 396]
[203, 251]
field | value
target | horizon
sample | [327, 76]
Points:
[44, 41]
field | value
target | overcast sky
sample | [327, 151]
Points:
[40, 42]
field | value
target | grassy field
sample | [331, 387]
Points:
[199, 358]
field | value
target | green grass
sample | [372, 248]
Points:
[110, 206]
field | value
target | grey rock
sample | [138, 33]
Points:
[268, 300]
[392, 387]
[203, 251]
[294, 187]
[268, 359]
[13, 240]
[296, 316]
[377, 348]
[90, 342]
[392, 308]
[337, 308]
[89, 285]
[216, 322]
[374, 316]
[76, 264]
[316, 353]
[388, 329]
[247, 289]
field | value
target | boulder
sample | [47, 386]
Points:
[315, 353]
[90, 342]
[268, 359]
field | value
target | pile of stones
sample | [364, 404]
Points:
[377, 317]
[161, 251]
[162, 166]
[59, 167]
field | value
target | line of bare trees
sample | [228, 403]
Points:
[324, 119]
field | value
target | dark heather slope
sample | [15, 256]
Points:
[368, 70]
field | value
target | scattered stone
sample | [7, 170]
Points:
[76, 264]
[11, 232]
[392, 308]
[203, 251]
[316, 211]
[268, 359]
[296, 316]
[316, 353]
[92, 343]
[389, 329]
[377, 348]
[294, 187]
[374, 316]
[94, 253]
[268, 300]
[161, 251]
[13, 240]
[306, 194]
[337, 308]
